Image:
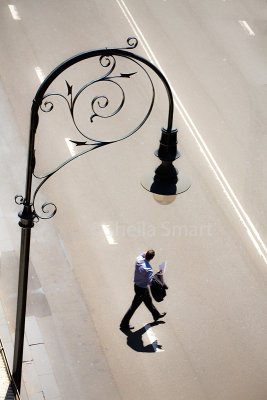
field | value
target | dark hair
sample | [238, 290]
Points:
[150, 254]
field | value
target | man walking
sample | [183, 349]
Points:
[142, 279]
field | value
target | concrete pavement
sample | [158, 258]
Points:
[44, 340]
[214, 338]
[38, 379]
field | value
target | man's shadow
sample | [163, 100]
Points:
[134, 339]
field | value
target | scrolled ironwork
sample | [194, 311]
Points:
[100, 104]
[44, 178]
[45, 211]
[19, 199]
[100, 101]
[134, 42]
[106, 61]
[49, 104]
[105, 104]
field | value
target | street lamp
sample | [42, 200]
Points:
[165, 182]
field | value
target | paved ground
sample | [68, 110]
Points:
[212, 344]
[6, 389]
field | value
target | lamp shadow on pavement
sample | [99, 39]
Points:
[135, 341]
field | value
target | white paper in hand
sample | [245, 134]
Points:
[162, 266]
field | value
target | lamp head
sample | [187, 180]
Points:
[166, 181]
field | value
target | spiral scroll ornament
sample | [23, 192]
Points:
[19, 199]
[100, 106]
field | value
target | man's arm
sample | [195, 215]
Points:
[148, 272]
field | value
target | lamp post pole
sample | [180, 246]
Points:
[165, 180]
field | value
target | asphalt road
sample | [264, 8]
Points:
[212, 343]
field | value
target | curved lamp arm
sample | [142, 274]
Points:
[163, 181]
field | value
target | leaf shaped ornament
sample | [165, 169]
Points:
[69, 88]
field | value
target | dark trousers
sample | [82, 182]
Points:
[141, 295]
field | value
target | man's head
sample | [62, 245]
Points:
[149, 255]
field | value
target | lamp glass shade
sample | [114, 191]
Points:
[166, 188]
[164, 200]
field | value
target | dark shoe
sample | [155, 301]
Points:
[126, 327]
[160, 316]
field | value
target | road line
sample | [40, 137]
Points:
[40, 74]
[152, 338]
[14, 12]
[70, 146]
[108, 234]
[252, 232]
[65, 251]
[246, 28]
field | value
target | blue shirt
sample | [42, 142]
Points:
[143, 272]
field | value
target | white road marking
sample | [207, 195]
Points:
[65, 252]
[252, 232]
[40, 290]
[40, 74]
[246, 28]
[108, 234]
[14, 12]
[152, 338]
[71, 146]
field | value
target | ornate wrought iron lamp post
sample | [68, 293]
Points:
[165, 180]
